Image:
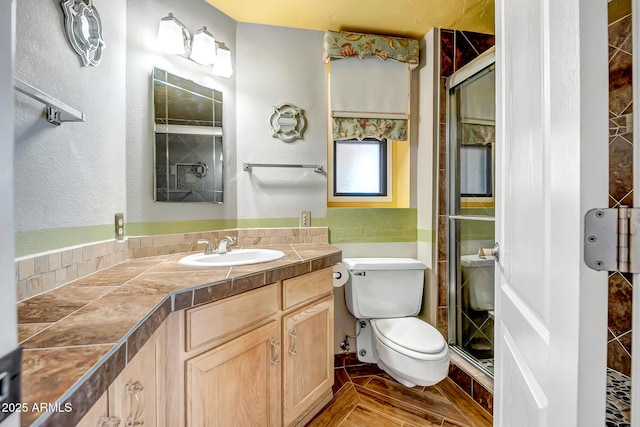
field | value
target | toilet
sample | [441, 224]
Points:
[384, 295]
[478, 275]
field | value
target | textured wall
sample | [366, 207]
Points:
[277, 65]
[620, 186]
[72, 175]
[143, 54]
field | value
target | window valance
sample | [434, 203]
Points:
[359, 128]
[344, 44]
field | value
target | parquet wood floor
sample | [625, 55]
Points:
[365, 396]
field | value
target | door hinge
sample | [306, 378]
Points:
[612, 239]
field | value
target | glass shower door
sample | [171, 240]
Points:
[471, 142]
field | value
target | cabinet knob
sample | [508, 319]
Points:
[109, 422]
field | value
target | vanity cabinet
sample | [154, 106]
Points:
[260, 358]
[135, 394]
[307, 358]
[133, 397]
[98, 415]
[237, 383]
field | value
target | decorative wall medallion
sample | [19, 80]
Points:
[287, 122]
[84, 30]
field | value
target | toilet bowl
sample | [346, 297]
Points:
[385, 294]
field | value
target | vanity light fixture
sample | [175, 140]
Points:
[203, 47]
[174, 38]
[222, 67]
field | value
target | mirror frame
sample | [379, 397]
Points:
[293, 120]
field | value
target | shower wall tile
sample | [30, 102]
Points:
[480, 42]
[618, 358]
[443, 283]
[620, 308]
[620, 32]
[447, 43]
[620, 167]
[625, 340]
[460, 377]
[620, 186]
[465, 51]
[483, 396]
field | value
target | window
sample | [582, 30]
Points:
[475, 171]
[360, 168]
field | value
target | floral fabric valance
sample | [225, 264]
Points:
[343, 44]
[361, 128]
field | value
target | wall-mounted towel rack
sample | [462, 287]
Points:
[249, 166]
[57, 112]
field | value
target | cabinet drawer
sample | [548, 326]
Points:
[215, 320]
[306, 287]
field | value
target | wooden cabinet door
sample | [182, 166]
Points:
[238, 383]
[98, 415]
[133, 394]
[307, 357]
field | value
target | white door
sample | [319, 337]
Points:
[552, 167]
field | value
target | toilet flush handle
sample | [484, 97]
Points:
[494, 252]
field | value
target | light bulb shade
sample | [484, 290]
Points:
[203, 47]
[223, 66]
[171, 36]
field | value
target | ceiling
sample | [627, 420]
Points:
[408, 18]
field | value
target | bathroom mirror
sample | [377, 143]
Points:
[287, 122]
[188, 142]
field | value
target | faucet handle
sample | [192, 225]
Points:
[208, 249]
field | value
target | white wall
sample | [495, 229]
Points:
[277, 65]
[426, 159]
[143, 17]
[72, 175]
[9, 335]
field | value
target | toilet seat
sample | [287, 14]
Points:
[410, 336]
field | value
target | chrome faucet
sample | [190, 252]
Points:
[223, 246]
[208, 250]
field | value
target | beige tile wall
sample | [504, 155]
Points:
[42, 272]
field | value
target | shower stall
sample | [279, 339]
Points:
[470, 210]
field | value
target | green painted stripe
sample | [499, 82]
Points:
[268, 222]
[32, 242]
[360, 225]
[428, 236]
[346, 225]
[171, 227]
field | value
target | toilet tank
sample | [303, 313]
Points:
[384, 287]
[478, 277]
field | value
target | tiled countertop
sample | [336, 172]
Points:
[77, 338]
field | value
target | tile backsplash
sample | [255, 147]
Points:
[621, 190]
[42, 272]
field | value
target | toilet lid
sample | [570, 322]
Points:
[410, 333]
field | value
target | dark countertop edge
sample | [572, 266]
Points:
[170, 297]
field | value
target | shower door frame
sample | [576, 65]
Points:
[475, 69]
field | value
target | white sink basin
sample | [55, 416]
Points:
[232, 258]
